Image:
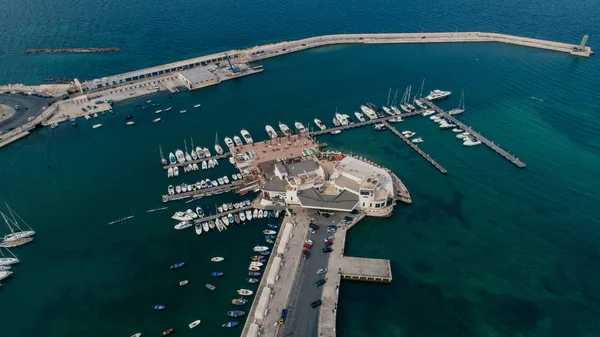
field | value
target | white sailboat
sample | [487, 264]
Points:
[7, 261]
[16, 232]
[461, 105]
[418, 101]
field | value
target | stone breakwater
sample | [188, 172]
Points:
[71, 50]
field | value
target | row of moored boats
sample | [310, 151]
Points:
[202, 184]
[19, 233]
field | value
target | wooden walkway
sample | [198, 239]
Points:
[367, 122]
[477, 135]
[416, 148]
[197, 161]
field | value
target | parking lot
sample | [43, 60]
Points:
[302, 320]
[29, 106]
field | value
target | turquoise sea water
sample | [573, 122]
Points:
[487, 250]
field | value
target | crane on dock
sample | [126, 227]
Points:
[233, 69]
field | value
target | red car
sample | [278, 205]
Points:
[328, 243]
[305, 253]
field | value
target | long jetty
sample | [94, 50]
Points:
[477, 135]
[367, 122]
[197, 194]
[416, 148]
[71, 50]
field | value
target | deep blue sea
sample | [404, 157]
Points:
[486, 250]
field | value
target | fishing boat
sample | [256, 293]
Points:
[260, 214]
[200, 212]
[95, 126]
[265, 252]
[197, 105]
[229, 143]
[216, 274]
[260, 248]
[205, 226]
[119, 220]
[437, 94]
[16, 232]
[177, 265]
[167, 332]
[194, 324]
[254, 273]
[184, 282]
[299, 127]
[247, 138]
[235, 313]
[230, 324]
[210, 286]
[159, 307]
[252, 280]
[252, 268]
[256, 264]
[190, 212]
[269, 232]
[249, 215]
[242, 216]
[225, 179]
[271, 132]
[238, 141]
[156, 120]
[198, 229]
[272, 225]
[231, 218]
[217, 259]
[7, 261]
[245, 292]
[183, 225]
[239, 301]
[182, 111]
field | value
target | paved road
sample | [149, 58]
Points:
[31, 106]
[302, 320]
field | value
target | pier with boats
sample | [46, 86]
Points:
[18, 234]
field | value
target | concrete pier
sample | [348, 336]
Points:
[197, 161]
[416, 148]
[367, 122]
[483, 140]
[197, 194]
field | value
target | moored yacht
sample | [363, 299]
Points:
[340, 118]
[461, 106]
[271, 132]
[247, 137]
[437, 94]
[172, 158]
[395, 119]
[368, 111]
[199, 152]
[320, 124]
[299, 127]
[428, 113]
[16, 232]
[471, 141]
[229, 142]
[359, 116]
[388, 111]
[284, 129]
[180, 156]
[463, 135]
[238, 141]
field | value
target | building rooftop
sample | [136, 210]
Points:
[345, 201]
[368, 174]
[275, 185]
[301, 167]
[196, 75]
[345, 182]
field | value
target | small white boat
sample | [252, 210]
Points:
[139, 334]
[194, 324]
[194, 155]
[256, 264]
[462, 135]
[217, 259]
[359, 116]
[471, 141]
[198, 229]
[255, 213]
[157, 111]
[191, 213]
[395, 119]
[225, 221]
[184, 282]
[218, 149]
[247, 138]
[204, 165]
[195, 167]
[225, 207]
[239, 175]
[95, 126]
[299, 128]
[183, 225]
[229, 142]
[245, 292]
[182, 111]
[417, 140]
[168, 109]
[95, 115]
[205, 226]
[156, 120]
[238, 141]
[320, 124]
[271, 132]
[220, 209]
[335, 132]
[242, 216]
[220, 181]
[428, 113]
[248, 215]
[178, 189]
[457, 130]
[260, 248]
[130, 123]
[170, 172]
[269, 232]
[225, 180]
[197, 106]
[260, 214]
[175, 171]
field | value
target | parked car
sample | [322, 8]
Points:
[305, 253]
[313, 226]
[328, 243]
[327, 250]
[349, 218]
[320, 282]
[309, 241]
[329, 238]
[312, 231]
[316, 303]
[331, 229]
[283, 314]
[321, 271]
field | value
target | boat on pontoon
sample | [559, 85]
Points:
[437, 94]
[461, 106]
[271, 132]
[17, 232]
[359, 116]
[471, 141]
[284, 129]
[299, 127]
[229, 142]
[320, 124]
[238, 141]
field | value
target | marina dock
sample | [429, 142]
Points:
[477, 135]
[416, 148]
[197, 194]
[359, 124]
[222, 214]
[197, 161]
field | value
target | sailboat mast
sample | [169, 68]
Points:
[462, 99]
[389, 93]
[7, 223]
[421, 91]
[192, 141]
[395, 97]
[216, 140]
[185, 144]
[160, 150]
